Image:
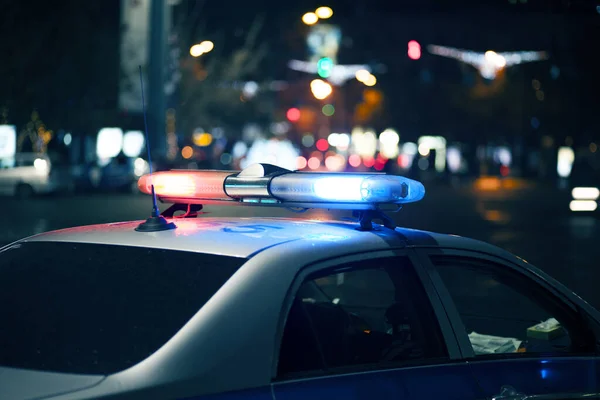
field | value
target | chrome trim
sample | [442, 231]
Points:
[247, 186]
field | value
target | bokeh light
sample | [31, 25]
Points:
[301, 162]
[310, 18]
[370, 81]
[308, 140]
[202, 139]
[335, 163]
[314, 163]
[293, 114]
[226, 158]
[196, 50]
[414, 50]
[328, 110]
[322, 144]
[362, 75]
[320, 89]
[324, 12]
[368, 161]
[187, 152]
[354, 160]
[206, 46]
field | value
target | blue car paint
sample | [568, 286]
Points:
[450, 381]
[262, 393]
[574, 375]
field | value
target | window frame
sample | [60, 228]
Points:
[448, 338]
[426, 254]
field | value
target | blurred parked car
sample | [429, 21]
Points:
[27, 174]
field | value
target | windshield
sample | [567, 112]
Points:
[98, 309]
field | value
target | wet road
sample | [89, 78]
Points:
[532, 222]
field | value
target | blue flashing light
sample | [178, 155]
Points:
[346, 188]
[338, 189]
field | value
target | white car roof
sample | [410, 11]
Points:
[244, 237]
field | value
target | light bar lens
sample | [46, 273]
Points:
[281, 187]
[355, 188]
[338, 189]
[186, 184]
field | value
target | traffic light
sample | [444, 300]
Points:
[414, 50]
[324, 67]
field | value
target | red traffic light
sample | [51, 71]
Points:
[414, 50]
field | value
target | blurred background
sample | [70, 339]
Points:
[493, 105]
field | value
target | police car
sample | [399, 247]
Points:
[190, 307]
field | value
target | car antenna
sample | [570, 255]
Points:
[156, 222]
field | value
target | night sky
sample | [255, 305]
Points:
[62, 57]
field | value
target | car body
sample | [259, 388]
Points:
[189, 307]
[230, 347]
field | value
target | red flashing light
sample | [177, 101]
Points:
[293, 114]
[414, 50]
[186, 184]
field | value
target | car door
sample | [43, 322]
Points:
[522, 338]
[368, 328]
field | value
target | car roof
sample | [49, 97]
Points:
[31, 156]
[244, 237]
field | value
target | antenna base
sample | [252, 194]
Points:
[155, 224]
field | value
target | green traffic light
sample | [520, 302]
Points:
[324, 67]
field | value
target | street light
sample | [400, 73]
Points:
[310, 18]
[364, 76]
[198, 49]
[494, 58]
[324, 12]
[207, 46]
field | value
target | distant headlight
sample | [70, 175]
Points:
[583, 205]
[140, 167]
[585, 193]
[41, 165]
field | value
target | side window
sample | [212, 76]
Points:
[368, 314]
[505, 312]
[23, 162]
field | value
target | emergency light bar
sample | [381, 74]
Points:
[265, 184]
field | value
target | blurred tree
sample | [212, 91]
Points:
[34, 136]
[212, 86]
